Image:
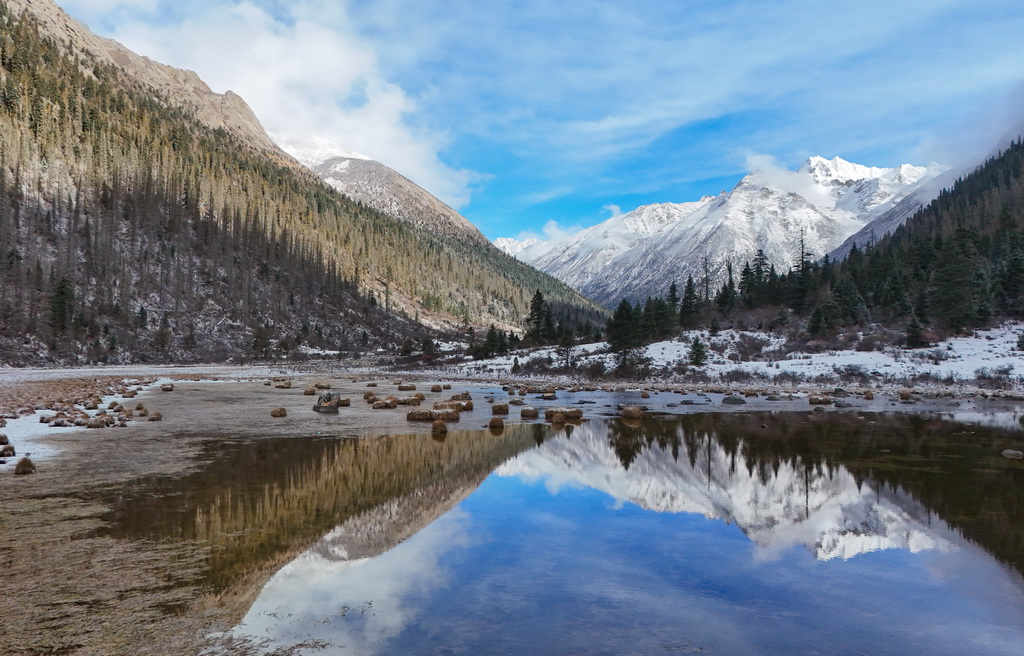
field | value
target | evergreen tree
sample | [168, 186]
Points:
[698, 355]
[952, 295]
[689, 305]
[623, 329]
[915, 334]
[62, 305]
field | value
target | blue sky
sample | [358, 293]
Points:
[534, 113]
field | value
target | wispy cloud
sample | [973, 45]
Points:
[303, 67]
[590, 101]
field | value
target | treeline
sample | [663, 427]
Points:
[116, 205]
[548, 323]
[957, 265]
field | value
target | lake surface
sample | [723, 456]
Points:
[760, 533]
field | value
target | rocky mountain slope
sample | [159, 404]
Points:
[378, 186]
[144, 216]
[641, 252]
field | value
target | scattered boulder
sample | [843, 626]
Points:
[156, 416]
[4, 440]
[439, 428]
[309, 391]
[645, 394]
[528, 412]
[631, 412]
[420, 415]
[386, 404]
[1013, 454]
[323, 386]
[285, 385]
[869, 396]
[499, 409]
[555, 418]
[733, 399]
[406, 387]
[167, 387]
[819, 400]
[278, 412]
[24, 466]
[371, 384]
[96, 422]
[839, 392]
[496, 423]
[140, 406]
[435, 388]
[446, 386]
[446, 415]
[567, 413]
[905, 394]
[7, 451]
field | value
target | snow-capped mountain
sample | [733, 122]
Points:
[515, 246]
[640, 253]
[378, 186]
[828, 513]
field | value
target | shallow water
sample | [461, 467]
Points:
[758, 533]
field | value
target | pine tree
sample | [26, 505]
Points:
[698, 355]
[915, 334]
[689, 305]
[62, 305]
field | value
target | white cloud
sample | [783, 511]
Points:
[545, 195]
[767, 168]
[306, 72]
[614, 210]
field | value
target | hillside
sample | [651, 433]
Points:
[144, 216]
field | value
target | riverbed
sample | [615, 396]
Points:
[155, 537]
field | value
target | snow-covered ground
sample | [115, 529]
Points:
[958, 361]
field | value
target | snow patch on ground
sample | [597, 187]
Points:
[959, 360]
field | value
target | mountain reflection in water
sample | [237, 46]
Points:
[737, 534]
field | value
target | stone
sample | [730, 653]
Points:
[732, 399]
[1013, 454]
[278, 412]
[631, 412]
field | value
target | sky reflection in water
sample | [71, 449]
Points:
[564, 551]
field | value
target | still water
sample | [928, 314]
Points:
[726, 534]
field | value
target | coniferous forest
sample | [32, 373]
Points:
[129, 231]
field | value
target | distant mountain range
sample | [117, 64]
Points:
[818, 207]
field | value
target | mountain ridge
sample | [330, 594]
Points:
[814, 208]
